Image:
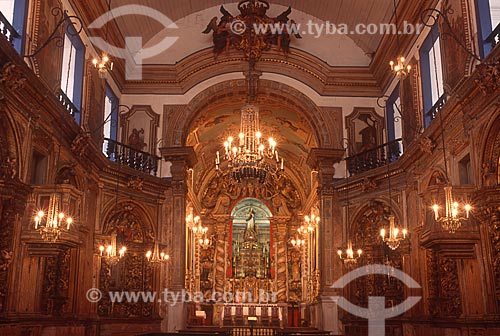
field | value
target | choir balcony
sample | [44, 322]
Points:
[376, 157]
[128, 156]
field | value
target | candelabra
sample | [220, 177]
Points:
[247, 159]
[348, 256]
[54, 222]
[453, 218]
[156, 257]
[198, 232]
[110, 252]
[103, 65]
[297, 242]
[393, 240]
[398, 67]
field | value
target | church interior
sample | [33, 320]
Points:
[241, 168]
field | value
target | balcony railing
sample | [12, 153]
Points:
[130, 157]
[67, 104]
[376, 157]
[7, 30]
[494, 37]
[433, 112]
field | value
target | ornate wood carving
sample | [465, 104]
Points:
[55, 288]
[220, 194]
[488, 77]
[233, 31]
[444, 286]
[11, 77]
[133, 273]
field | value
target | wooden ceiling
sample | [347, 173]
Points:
[350, 12]
[377, 48]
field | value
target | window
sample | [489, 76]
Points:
[432, 74]
[38, 168]
[394, 119]
[72, 70]
[488, 21]
[14, 12]
[110, 117]
[465, 171]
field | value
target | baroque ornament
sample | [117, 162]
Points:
[238, 32]
[12, 77]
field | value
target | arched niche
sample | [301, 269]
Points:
[251, 234]
[490, 164]
[133, 272]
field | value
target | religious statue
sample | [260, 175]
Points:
[250, 231]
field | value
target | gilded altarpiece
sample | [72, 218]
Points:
[217, 199]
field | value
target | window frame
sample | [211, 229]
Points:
[77, 73]
[19, 15]
[425, 65]
[113, 98]
[484, 25]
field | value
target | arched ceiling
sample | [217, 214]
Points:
[286, 124]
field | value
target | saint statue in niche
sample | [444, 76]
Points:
[250, 232]
[136, 139]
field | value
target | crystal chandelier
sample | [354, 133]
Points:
[348, 256]
[52, 223]
[247, 158]
[156, 257]
[393, 240]
[110, 252]
[453, 218]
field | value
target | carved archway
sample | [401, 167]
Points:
[132, 273]
[490, 163]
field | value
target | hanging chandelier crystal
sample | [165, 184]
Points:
[453, 219]
[156, 257]
[52, 223]
[248, 157]
[348, 256]
[393, 240]
[110, 252]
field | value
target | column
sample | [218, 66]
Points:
[330, 236]
[182, 158]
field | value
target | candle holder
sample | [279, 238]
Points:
[393, 240]
[110, 253]
[348, 256]
[453, 219]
